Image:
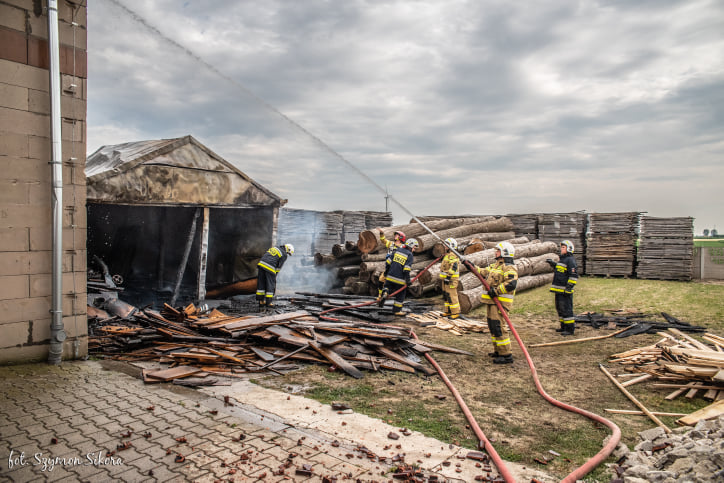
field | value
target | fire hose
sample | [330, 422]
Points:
[484, 443]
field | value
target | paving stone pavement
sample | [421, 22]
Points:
[80, 422]
[70, 423]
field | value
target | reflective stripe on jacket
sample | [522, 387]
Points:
[273, 259]
[502, 276]
[566, 272]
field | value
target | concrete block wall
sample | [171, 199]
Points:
[25, 180]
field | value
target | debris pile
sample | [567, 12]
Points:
[636, 322]
[680, 363]
[195, 343]
[688, 454]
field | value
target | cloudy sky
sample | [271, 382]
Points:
[453, 106]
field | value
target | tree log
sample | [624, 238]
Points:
[369, 240]
[428, 241]
[486, 257]
[470, 299]
[439, 248]
[525, 266]
[347, 271]
[478, 245]
[332, 261]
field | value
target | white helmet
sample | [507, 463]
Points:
[506, 249]
[452, 243]
[289, 248]
[569, 245]
[412, 244]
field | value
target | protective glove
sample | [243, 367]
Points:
[551, 262]
[492, 293]
[446, 281]
[569, 287]
[382, 232]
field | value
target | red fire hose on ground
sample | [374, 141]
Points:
[484, 444]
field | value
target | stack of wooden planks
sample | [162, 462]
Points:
[680, 363]
[611, 244]
[221, 344]
[666, 248]
[459, 326]
[525, 224]
[557, 227]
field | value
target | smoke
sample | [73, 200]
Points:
[299, 274]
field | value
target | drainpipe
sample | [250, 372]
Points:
[57, 334]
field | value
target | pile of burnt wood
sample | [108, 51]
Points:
[358, 266]
[196, 342]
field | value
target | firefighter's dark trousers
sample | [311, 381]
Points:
[564, 307]
[391, 286]
[266, 285]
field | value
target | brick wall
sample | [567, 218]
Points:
[25, 180]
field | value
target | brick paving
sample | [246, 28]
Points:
[71, 423]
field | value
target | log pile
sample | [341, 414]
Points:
[611, 245]
[196, 344]
[557, 227]
[680, 364]
[476, 238]
[666, 248]
[484, 231]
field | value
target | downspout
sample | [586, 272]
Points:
[57, 334]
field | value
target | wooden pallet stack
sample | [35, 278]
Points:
[666, 248]
[557, 227]
[525, 224]
[611, 244]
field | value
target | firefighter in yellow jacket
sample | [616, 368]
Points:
[502, 277]
[450, 275]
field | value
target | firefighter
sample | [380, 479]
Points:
[502, 277]
[268, 267]
[397, 275]
[450, 274]
[564, 281]
[391, 246]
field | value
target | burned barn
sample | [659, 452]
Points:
[171, 219]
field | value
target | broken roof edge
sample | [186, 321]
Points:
[166, 146]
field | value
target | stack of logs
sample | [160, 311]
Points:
[360, 265]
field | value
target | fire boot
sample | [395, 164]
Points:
[382, 297]
[503, 359]
[494, 354]
[561, 328]
[262, 306]
[270, 304]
